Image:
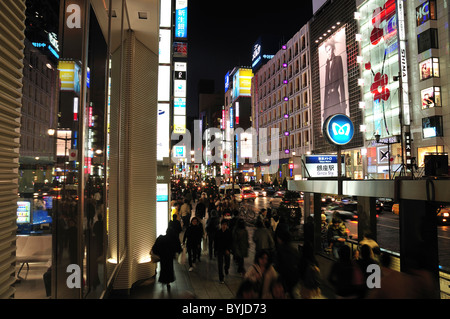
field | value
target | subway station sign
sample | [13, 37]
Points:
[339, 129]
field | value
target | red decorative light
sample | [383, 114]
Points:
[381, 80]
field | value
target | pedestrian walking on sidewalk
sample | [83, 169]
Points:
[223, 246]
[212, 227]
[262, 274]
[185, 212]
[166, 246]
[193, 238]
[240, 244]
[263, 238]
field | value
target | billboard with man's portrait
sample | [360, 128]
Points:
[333, 76]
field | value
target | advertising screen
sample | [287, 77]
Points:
[333, 76]
[70, 76]
[162, 192]
[23, 212]
[180, 49]
[179, 124]
[179, 106]
[242, 83]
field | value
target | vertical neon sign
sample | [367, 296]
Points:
[181, 19]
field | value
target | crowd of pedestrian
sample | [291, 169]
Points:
[281, 268]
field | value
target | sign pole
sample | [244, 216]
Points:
[339, 163]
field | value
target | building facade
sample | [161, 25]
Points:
[281, 100]
[426, 24]
[336, 89]
[404, 76]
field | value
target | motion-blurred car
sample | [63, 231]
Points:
[345, 211]
[290, 208]
[384, 204]
[259, 191]
[443, 215]
[248, 194]
[276, 199]
[327, 200]
[270, 191]
[292, 198]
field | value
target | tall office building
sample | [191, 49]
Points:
[236, 120]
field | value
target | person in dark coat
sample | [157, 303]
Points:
[212, 227]
[175, 224]
[223, 246]
[166, 246]
[192, 238]
[200, 210]
[287, 261]
[240, 244]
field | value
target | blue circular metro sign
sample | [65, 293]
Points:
[339, 129]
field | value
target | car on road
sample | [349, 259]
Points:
[290, 208]
[384, 204]
[225, 190]
[248, 194]
[292, 198]
[327, 200]
[259, 191]
[443, 215]
[270, 191]
[345, 211]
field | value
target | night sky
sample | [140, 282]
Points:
[221, 35]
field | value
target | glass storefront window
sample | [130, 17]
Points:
[429, 68]
[431, 97]
[432, 126]
[422, 151]
[425, 12]
[427, 40]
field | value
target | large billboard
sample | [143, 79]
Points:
[333, 76]
[380, 55]
[242, 83]
[70, 75]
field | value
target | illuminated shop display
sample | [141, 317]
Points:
[381, 57]
[429, 69]
[431, 97]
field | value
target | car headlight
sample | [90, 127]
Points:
[446, 215]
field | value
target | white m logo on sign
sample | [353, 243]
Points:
[341, 130]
